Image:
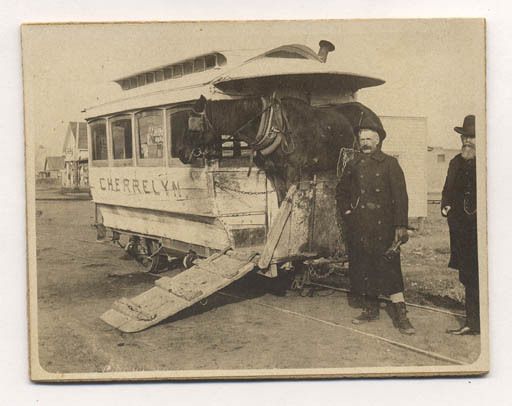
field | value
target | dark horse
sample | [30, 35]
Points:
[310, 138]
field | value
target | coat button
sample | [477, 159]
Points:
[363, 191]
[377, 190]
[378, 206]
[377, 174]
[380, 238]
[361, 176]
[379, 222]
[362, 206]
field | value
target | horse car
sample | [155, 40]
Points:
[231, 161]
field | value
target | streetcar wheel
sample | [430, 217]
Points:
[147, 255]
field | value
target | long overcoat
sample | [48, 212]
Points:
[372, 199]
[459, 192]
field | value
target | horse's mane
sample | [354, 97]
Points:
[232, 113]
[229, 116]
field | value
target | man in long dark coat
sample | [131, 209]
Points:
[459, 205]
[372, 198]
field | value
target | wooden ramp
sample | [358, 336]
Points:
[171, 295]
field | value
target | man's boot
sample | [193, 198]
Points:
[401, 320]
[371, 310]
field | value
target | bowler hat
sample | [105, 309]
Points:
[468, 127]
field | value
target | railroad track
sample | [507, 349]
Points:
[401, 345]
[385, 299]
[416, 305]
[397, 344]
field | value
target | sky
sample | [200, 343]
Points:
[432, 68]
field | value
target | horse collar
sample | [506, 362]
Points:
[269, 135]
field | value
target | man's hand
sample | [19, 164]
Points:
[401, 235]
[445, 210]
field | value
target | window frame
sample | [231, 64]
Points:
[168, 73]
[141, 79]
[177, 71]
[150, 77]
[125, 161]
[212, 57]
[199, 64]
[98, 162]
[159, 75]
[188, 67]
[151, 162]
[174, 161]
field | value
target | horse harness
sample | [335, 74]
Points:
[272, 131]
[273, 127]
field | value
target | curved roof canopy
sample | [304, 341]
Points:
[228, 74]
[290, 66]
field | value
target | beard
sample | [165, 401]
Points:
[468, 152]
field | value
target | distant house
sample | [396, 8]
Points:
[53, 166]
[438, 159]
[407, 141]
[76, 171]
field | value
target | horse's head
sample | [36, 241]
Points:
[200, 105]
[199, 139]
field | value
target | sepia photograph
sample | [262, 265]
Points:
[256, 199]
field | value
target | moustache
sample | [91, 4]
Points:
[365, 147]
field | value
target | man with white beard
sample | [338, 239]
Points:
[459, 205]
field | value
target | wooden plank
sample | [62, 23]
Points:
[229, 268]
[115, 318]
[132, 310]
[277, 228]
[171, 295]
[194, 283]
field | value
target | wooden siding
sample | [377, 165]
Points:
[407, 140]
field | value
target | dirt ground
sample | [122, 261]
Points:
[244, 326]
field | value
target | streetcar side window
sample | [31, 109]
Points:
[99, 141]
[150, 134]
[179, 126]
[121, 130]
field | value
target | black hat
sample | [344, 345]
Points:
[362, 118]
[468, 127]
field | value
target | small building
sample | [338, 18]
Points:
[407, 141]
[76, 170]
[438, 159]
[53, 166]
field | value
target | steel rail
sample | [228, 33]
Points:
[395, 343]
[385, 299]
[428, 308]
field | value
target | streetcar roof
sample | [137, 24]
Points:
[237, 72]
